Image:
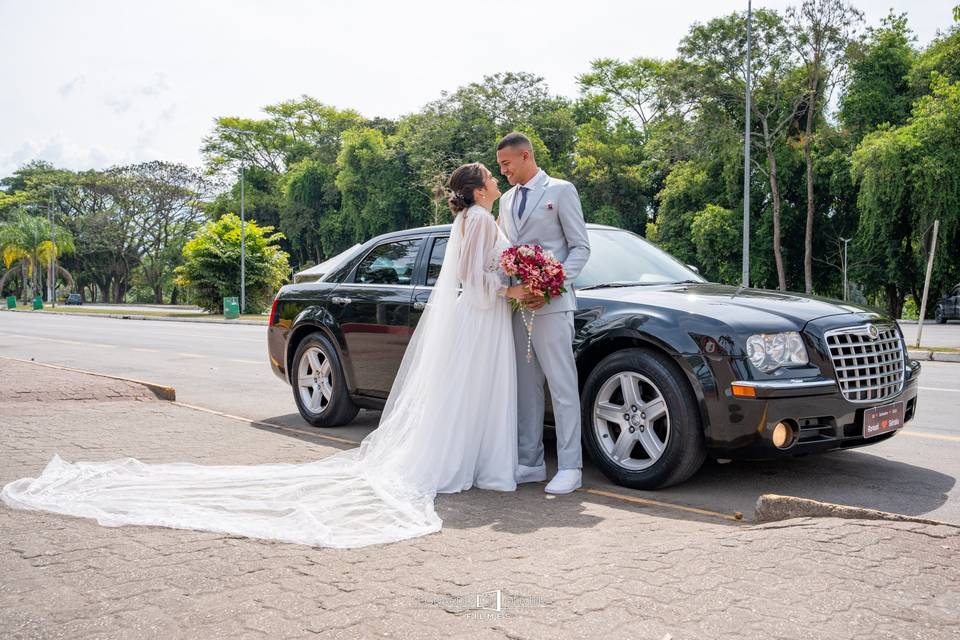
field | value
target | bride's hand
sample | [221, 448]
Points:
[536, 303]
[518, 292]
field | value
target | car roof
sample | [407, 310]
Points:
[445, 228]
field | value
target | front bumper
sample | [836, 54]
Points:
[742, 427]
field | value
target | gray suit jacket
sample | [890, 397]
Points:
[553, 218]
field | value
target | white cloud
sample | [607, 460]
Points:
[69, 87]
[58, 153]
[117, 103]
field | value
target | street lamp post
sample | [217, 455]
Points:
[243, 224]
[52, 272]
[845, 242]
[243, 245]
[746, 160]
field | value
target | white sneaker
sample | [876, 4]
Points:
[531, 474]
[566, 481]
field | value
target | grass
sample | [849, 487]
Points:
[155, 314]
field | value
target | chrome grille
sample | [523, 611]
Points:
[869, 366]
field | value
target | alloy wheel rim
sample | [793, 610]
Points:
[631, 421]
[315, 380]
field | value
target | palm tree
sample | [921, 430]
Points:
[25, 246]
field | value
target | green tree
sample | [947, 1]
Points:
[717, 53]
[909, 176]
[687, 190]
[26, 246]
[940, 58]
[878, 90]
[821, 31]
[373, 179]
[211, 264]
[716, 236]
[310, 198]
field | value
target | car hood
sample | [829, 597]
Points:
[731, 305]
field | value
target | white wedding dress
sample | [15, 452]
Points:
[450, 424]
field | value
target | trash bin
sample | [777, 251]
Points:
[11, 302]
[37, 302]
[231, 308]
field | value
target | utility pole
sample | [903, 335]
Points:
[926, 282]
[746, 160]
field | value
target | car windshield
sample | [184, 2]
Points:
[619, 258]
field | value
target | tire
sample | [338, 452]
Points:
[659, 387]
[325, 401]
[938, 315]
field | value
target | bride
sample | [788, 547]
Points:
[449, 424]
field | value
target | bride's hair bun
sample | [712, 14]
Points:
[463, 181]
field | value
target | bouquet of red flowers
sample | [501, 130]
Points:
[540, 272]
[538, 269]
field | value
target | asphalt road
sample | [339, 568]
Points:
[934, 335]
[225, 368]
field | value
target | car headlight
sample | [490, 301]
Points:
[769, 351]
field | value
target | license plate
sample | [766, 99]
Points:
[879, 420]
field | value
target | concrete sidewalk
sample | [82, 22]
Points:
[538, 567]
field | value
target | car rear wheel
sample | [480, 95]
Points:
[640, 421]
[319, 386]
[938, 315]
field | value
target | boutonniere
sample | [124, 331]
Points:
[549, 205]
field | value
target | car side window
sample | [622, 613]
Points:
[956, 291]
[437, 252]
[389, 263]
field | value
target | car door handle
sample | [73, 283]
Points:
[419, 306]
[339, 300]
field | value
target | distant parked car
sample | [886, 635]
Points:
[74, 298]
[948, 307]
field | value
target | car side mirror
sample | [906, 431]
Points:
[694, 269]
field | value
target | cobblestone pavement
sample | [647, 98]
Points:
[576, 566]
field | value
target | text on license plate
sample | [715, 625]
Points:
[879, 420]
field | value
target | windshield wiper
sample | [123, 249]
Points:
[610, 285]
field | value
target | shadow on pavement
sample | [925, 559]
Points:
[852, 477]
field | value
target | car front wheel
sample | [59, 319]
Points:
[319, 386]
[640, 421]
[938, 315]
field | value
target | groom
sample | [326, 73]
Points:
[545, 211]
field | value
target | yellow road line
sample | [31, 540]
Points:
[191, 355]
[77, 342]
[241, 360]
[938, 389]
[930, 436]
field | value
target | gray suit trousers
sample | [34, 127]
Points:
[552, 361]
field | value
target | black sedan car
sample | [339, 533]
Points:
[948, 307]
[672, 368]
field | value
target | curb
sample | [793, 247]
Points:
[129, 316]
[161, 391]
[935, 356]
[772, 507]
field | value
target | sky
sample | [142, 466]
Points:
[92, 84]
